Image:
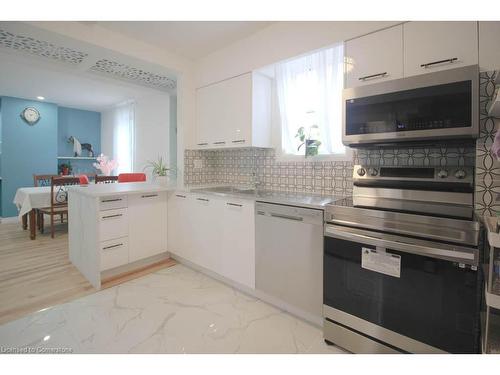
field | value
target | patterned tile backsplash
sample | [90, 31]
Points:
[247, 166]
[256, 165]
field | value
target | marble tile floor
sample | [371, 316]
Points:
[174, 310]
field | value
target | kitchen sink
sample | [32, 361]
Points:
[231, 189]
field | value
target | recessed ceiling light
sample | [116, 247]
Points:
[40, 98]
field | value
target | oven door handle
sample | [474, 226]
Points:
[458, 256]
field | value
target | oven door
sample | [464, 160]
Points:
[431, 306]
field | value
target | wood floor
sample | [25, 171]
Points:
[36, 274]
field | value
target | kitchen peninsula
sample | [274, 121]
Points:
[116, 228]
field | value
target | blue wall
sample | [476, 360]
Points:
[84, 125]
[26, 150]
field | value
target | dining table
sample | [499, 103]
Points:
[27, 201]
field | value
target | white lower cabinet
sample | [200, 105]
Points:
[215, 233]
[147, 214]
[237, 261]
[114, 253]
[178, 219]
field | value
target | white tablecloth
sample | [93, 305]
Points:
[28, 198]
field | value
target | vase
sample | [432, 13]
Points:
[161, 180]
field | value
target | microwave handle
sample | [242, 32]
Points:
[450, 255]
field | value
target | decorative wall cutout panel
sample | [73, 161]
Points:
[40, 48]
[132, 74]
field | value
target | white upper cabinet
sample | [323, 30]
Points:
[374, 57]
[489, 51]
[234, 113]
[433, 46]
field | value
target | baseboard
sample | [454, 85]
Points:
[10, 220]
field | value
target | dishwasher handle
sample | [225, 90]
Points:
[287, 217]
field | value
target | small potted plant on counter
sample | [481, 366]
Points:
[159, 170]
[65, 169]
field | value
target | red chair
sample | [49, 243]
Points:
[131, 177]
[84, 180]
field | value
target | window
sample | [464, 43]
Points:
[123, 139]
[309, 92]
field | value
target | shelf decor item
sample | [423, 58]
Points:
[65, 169]
[78, 147]
[159, 170]
[105, 165]
[311, 144]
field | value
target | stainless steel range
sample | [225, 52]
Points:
[401, 263]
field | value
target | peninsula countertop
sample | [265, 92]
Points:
[102, 190]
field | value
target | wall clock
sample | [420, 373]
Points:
[30, 115]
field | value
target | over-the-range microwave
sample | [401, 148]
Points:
[427, 107]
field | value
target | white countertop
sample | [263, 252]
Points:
[102, 190]
[307, 200]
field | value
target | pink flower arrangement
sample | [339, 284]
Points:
[495, 148]
[105, 165]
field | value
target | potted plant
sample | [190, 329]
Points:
[311, 144]
[159, 170]
[65, 169]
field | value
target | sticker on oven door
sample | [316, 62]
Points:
[381, 261]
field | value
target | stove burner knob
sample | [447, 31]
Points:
[443, 173]
[361, 172]
[373, 172]
[460, 174]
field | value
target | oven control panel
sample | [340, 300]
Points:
[448, 174]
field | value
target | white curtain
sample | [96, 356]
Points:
[309, 92]
[123, 118]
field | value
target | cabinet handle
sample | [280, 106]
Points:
[445, 61]
[239, 141]
[180, 196]
[203, 199]
[220, 143]
[112, 216]
[202, 144]
[234, 204]
[149, 196]
[378, 75]
[111, 200]
[112, 246]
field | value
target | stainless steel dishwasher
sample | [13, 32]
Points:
[289, 258]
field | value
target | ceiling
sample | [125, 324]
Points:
[190, 39]
[24, 79]
[71, 73]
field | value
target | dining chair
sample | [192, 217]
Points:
[58, 199]
[105, 179]
[42, 179]
[131, 177]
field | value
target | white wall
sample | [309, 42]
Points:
[183, 68]
[278, 42]
[152, 130]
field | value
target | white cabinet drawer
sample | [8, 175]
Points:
[113, 202]
[114, 253]
[113, 224]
